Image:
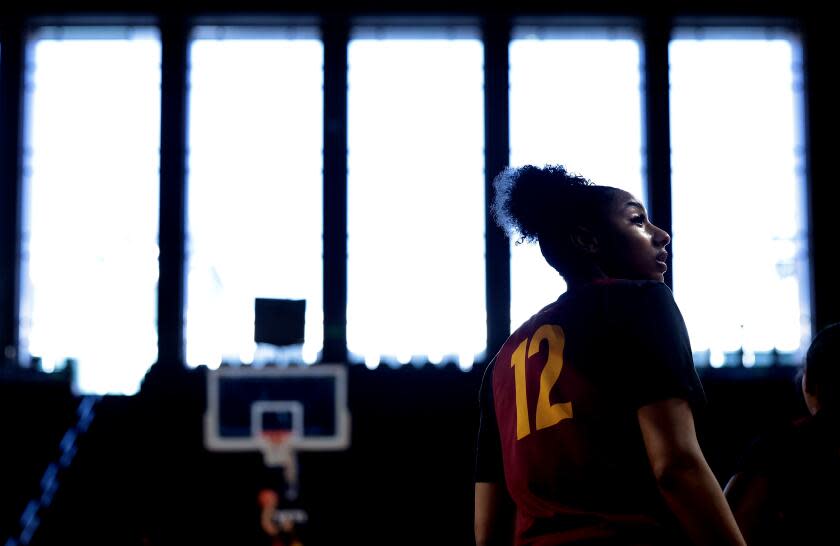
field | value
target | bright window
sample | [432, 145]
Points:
[741, 253]
[255, 186]
[416, 196]
[90, 215]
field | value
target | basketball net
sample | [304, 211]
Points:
[277, 451]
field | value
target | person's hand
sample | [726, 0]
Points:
[268, 501]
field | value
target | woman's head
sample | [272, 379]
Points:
[821, 378]
[584, 231]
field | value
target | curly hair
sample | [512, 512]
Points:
[543, 204]
[527, 198]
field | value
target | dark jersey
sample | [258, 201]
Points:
[801, 463]
[559, 414]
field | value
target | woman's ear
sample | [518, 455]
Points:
[811, 400]
[584, 240]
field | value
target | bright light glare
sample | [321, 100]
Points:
[740, 241]
[255, 193]
[89, 244]
[416, 198]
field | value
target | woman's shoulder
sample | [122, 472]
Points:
[603, 298]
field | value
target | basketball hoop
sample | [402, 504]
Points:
[278, 411]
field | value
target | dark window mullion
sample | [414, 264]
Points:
[172, 237]
[335, 34]
[821, 91]
[496, 36]
[657, 36]
[11, 113]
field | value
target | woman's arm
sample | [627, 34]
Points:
[687, 483]
[494, 515]
[747, 495]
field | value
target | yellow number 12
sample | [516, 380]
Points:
[547, 413]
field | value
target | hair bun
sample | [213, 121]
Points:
[529, 200]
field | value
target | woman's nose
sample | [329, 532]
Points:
[661, 237]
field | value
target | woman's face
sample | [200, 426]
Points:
[631, 247]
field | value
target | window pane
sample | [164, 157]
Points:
[255, 189]
[741, 258]
[89, 263]
[574, 100]
[416, 198]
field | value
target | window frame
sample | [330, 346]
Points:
[335, 28]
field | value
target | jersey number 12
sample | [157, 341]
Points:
[548, 414]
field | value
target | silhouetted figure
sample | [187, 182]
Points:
[787, 490]
[587, 420]
[281, 520]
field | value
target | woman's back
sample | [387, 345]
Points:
[566, 387]
[588, 409]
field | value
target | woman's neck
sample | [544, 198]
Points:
[580, 278]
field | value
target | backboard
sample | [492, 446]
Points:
[307, 404]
